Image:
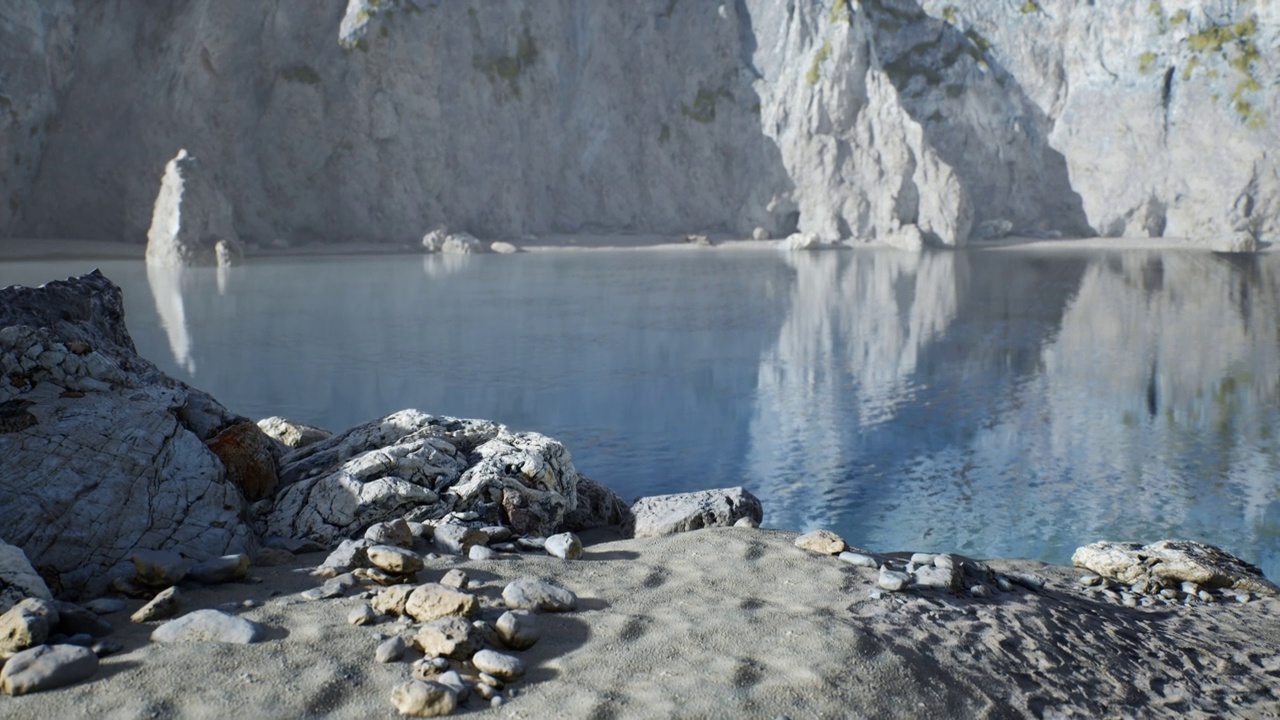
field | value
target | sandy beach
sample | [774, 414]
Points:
[724, 623]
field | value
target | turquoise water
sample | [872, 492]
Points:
[992, 403]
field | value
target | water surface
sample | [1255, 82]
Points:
[990, 403]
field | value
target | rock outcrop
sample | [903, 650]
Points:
[103, 453]
[844, 118]
[191, 221]
[424, 467]
[1169, 563]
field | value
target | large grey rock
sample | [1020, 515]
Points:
[1171, 562]
[225, 569]
[159, 568]
[46, 667]
[108, 454]
[209, 626]
[18, 580]
[681, 512]
[190, 216]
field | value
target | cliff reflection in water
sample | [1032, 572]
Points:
[987, 402]
[1022, 404]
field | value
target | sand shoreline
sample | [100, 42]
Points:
[19, 249]
[722, 622]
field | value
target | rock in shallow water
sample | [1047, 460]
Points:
[209, 626]
[46, 667]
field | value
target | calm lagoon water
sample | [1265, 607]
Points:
[1013, 404]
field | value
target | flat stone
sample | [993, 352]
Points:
[539, 596]
[105, 606]
[932, 576]
[858, 559]
[531, 542]
[163, 606]
[390, 650]
[892, 580]
[565, 546]
[292, 434]
[922, 558]
[395, 560]
[452, 637]
[430, 601]
[418, 698]
[209, 626]
[518, 629]
[225, 569]
[502, 666]
[823, 542]
[159, 568]
[45, 667]
[1172, 562]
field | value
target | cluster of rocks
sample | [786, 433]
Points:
[440, 240]
[1129, 574]
[900, 572]
[456, 636]
[1166, 573]
[47, 643]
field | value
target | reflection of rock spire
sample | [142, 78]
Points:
[166, 289]
[859, 321]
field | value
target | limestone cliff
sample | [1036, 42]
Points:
[377, 119]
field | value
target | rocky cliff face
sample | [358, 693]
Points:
[381, 118]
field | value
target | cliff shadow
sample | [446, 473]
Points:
[976, 116]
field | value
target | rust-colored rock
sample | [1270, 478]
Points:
[247, 454]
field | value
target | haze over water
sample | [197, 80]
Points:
[1014, 404]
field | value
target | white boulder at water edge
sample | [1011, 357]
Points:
[898, 121]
